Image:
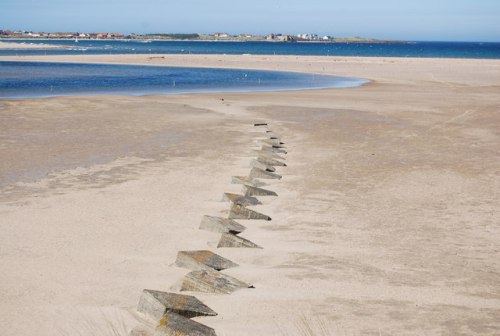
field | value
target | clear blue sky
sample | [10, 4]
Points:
[452, 20]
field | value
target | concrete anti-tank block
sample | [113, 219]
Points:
[155, 304]
[262, 174]
[273, 142]
[272, 135]
[253, 191]
[222, 225]
[243, 200]
[172, 324]
[203, 260]
[231, 240]
[269, 155]
[262, 165]
[240, 212]
[211, 282]
[273, 149]
[270, 162]
[247, 181]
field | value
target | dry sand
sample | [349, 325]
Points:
[387, 220]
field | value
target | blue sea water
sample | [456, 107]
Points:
[37, 79]
[22, 79]
[487, 50]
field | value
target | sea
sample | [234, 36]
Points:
[31, 80]
[489, 50]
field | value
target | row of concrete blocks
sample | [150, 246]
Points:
[173, 311]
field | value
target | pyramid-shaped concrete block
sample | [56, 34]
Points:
[172, 324]
[203, 260]
[155, 304]
[272, 135]
[274, 149]
[221, 225]
[231, 240]
[270, 141]
[273, 142]
[270, 162]
[211, 282]
[246, 181]
[262, 174]
[269, 155]
[243, 200]
[262, 165]
[240, 212]
[254, 191]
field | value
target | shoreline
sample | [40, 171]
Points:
[386, 220]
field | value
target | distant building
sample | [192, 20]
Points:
[221, 35]
[309, 37]
[6, 32]
[105, 35]
[286, 38]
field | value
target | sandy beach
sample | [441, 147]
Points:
[386, 223]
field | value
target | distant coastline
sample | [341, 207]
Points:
[272, 37]
[333, 40]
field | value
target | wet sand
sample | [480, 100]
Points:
[386, 220]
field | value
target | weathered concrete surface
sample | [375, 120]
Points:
[243, 200]
[239, 212]
[245, 180]
[273, 149]
[203, 260]
[222, 225]
[273, 142]
[155, 304]
[254, 191]
[211, 282]
[262, 165]
[270, 162]
[172, 324]
[272, 135]
[269, 154]
[262, 174]
[231, 240]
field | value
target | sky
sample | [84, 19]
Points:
[418, 20]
